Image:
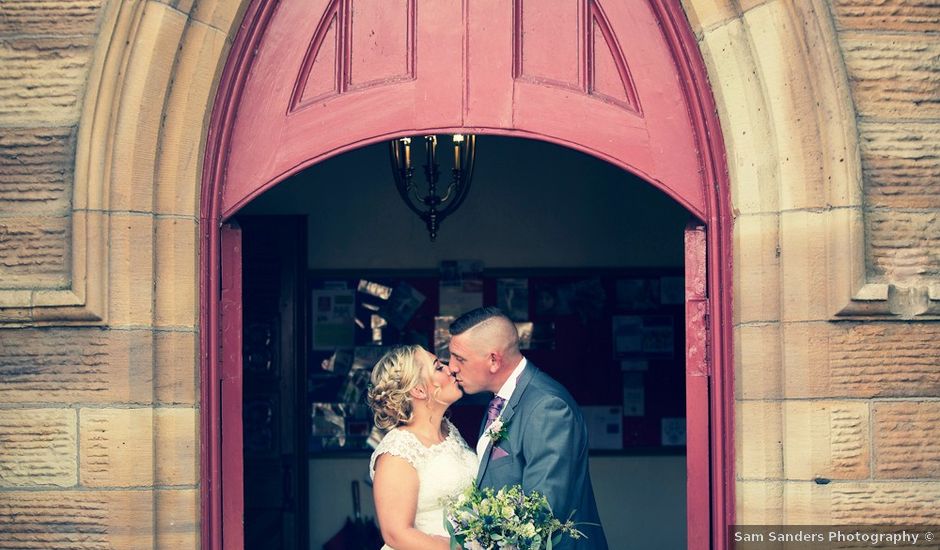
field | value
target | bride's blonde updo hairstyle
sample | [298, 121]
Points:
[393, 378]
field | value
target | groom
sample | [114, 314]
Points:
[544, 444]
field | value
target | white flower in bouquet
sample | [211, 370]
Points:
[508, 519]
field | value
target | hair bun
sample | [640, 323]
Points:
[393, 378]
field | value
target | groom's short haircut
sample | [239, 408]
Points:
[473, 318]
[488, 317]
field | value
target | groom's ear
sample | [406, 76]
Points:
[495, 359]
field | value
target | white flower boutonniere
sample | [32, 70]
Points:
[498, 431]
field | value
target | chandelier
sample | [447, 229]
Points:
[433, 207]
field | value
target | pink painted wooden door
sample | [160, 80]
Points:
[698, 499]
[233, 504]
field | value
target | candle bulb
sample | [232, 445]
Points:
[457, 140]
[431, 151]
[407, 142]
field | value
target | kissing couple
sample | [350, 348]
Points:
[541, 438]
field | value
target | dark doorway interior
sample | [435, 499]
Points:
[274, 393]
[601, 255]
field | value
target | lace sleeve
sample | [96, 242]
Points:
[398, 443]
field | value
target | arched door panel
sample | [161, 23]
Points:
[599, 76]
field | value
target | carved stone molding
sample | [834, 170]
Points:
[789, 122]
[84, 301]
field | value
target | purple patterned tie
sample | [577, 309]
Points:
[492, 412]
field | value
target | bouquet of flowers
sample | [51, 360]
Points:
[508, 519]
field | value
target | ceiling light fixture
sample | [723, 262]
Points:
[432, 207]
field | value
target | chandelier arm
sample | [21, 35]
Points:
[403, 180]
[466, 176]
[450, 189]
[418, 199]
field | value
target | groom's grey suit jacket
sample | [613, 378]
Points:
[546, 451]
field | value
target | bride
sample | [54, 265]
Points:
[422, 458]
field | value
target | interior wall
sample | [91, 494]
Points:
[532, 204]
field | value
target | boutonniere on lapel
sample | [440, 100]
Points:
[498, 431]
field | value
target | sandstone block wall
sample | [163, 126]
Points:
[98, 411]
[836, 404]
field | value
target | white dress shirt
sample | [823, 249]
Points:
[509, 386]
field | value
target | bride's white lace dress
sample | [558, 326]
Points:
[444, 469]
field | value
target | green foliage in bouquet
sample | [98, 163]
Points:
[508, 519]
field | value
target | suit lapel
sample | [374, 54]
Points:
[521, 384]
[506, 414]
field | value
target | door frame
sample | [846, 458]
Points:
[230, 389]
[219, 470]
